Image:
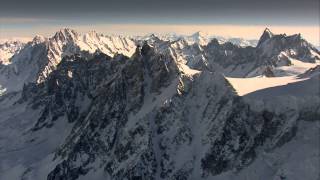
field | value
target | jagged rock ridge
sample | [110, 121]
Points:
[41, 56]
[271, 54]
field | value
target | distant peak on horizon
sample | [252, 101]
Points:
[68, 31]
[267, 30]
[200, 33]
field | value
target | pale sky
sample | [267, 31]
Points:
[233, 18]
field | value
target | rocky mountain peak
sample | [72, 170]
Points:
[267, 30]
[92, 35]
[293, 45]
[267, 34]
[214, 43]
[65, 34]
[153, 35]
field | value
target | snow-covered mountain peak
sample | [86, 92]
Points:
[170, 36]
[153, 36]
[199, 34]
[198, 37]
[10, 43]
[92, 34]
[9, 49]
[38, 39]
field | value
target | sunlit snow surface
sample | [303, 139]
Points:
[244, 86]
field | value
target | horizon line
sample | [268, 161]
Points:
[250, 32]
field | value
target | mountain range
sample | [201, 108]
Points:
[89, 106]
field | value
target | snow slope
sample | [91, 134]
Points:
[305, 81]
[245, 86]
[22, 149]
[298, 88]
[297, 67]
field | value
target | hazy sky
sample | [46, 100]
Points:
[221, 17]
